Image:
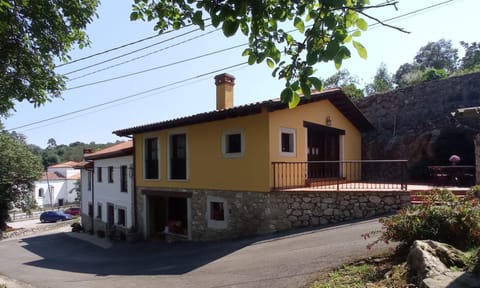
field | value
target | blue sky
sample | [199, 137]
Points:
[454, 20]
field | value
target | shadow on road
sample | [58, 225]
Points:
[62, 252]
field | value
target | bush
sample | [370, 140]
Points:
[442, 217]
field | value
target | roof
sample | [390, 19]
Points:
[59, 176]
[117, 150]
[68, 164]
[335, 96]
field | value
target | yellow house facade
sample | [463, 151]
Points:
[193, 173]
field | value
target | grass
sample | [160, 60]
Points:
[389, 270]
[382, 271]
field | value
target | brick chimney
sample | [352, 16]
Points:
[224, 83]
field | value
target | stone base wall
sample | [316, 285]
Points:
[257, 213]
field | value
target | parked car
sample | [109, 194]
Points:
[54, 216]
[74, 211]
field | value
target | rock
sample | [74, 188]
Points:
[430, 264]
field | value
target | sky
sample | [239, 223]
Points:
[174, 87]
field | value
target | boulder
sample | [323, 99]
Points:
[436, 265]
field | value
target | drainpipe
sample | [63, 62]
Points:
[93, 198]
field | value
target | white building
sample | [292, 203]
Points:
[107, 188]
[57, 186]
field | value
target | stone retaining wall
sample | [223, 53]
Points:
[257, 213]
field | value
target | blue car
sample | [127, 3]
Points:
[54, 216]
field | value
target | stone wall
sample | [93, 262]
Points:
[257, 213]
[408, 122]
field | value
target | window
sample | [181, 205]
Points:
[110, 174]
[121, 216]
[89, 180]
[41, 192]
[233, 143]
[99, 174]
[99, 210]
[287, 142]
[123, 178]
[90, 209]
[151, 158]
[217, 212]
[178, 156]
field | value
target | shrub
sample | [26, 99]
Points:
[442, 217]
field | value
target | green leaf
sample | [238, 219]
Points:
[230, 27]
[198, 19]
[270, 63]
[134, 16]
[305, 89]
[357, 33]
[362, 52]
[286, 95]
[362, 24]
[294, 100]
[246, 52]
[317, 83]
[298, 23]
[251, 59]
[347, 39]
[244, 28]
[312, 57]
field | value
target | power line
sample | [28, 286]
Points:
[140, 57]
[109, 50]
[129, 96]
[156, 67]
[131, 52]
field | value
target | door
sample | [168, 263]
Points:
[323, 144]
[110, 215]
[178, 156]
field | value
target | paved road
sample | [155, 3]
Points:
[290, 260]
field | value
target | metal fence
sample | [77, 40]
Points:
[339, 175]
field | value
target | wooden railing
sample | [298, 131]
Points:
[338, 175]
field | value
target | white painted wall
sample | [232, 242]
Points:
[105, 192]
[61, 189]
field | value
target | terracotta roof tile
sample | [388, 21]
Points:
[117, 150]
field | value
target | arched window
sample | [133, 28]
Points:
[41, 192]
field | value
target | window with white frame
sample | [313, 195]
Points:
[89, 180]
[123, 178]
[217, 212]
[151, 157]
[99, 174]
[121, 216]
[287, 142]
[99, 210]
[233, 143]
[110, 174]
[41, 192]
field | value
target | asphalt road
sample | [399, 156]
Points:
[55, 259]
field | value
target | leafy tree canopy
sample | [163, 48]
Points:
[19, 168]
[347, 82]
[382, 81]
[438, 55]
[33, 34]
[326, 29]
[471, 60]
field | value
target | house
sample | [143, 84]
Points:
[57, 186]
[212, 175]
[107, 184]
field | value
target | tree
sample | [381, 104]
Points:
[325, 29]
[382, 81]
[33, 35]
[471, 60]
[19, 168]
[347, 82]
[402, 78]
[51, 143]
[438, 55]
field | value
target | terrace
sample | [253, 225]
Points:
[365, 175]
